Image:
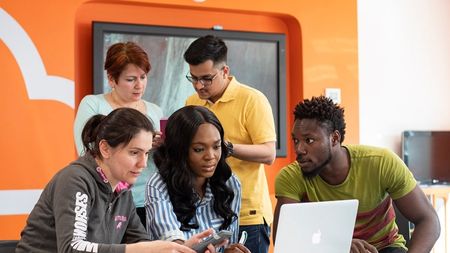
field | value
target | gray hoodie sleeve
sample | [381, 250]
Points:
[73, 200]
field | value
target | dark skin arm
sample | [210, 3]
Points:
[416, 207]
[237, 248]
[361, 246]
[280, 201]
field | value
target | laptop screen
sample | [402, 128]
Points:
[315, 227]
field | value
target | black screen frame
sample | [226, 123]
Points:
[278, 106]
[427, 146]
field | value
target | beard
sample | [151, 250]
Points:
[318, 169]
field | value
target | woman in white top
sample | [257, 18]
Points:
[127, 66]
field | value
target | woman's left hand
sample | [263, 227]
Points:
[237, 248]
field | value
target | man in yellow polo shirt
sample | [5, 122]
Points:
[246, 116]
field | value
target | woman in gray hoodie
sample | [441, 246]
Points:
[87, 206]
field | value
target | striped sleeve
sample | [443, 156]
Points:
[234, 184]
[162, 223]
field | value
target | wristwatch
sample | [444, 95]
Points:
[230, 149]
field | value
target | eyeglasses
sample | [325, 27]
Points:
[205, 81]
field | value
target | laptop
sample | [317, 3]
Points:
[316, 227]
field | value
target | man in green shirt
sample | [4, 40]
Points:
[326, 170]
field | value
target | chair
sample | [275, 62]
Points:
[8, 246]
[404, 226]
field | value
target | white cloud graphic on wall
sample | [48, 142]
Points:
[39, 85]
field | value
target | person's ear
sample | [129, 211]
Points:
[335, 137]
[226, 71]
[105, 149]
[112, 83]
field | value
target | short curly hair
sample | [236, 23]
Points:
[325, 111]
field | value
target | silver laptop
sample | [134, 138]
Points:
[316, 227]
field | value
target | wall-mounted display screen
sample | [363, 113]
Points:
[427, 154]
[256, 59]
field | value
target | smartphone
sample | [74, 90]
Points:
[162, 127]
[214, 239]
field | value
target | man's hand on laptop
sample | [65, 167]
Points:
[361, 246]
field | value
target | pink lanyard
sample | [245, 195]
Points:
[120, 186]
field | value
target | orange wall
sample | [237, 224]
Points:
[322, 52]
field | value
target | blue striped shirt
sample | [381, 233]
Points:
[162, 223]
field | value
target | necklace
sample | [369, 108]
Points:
[118, 105]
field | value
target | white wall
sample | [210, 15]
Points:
[404, 68]
[404, 73]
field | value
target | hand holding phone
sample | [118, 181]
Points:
[214, 239]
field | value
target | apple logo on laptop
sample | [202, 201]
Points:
[316, 237]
